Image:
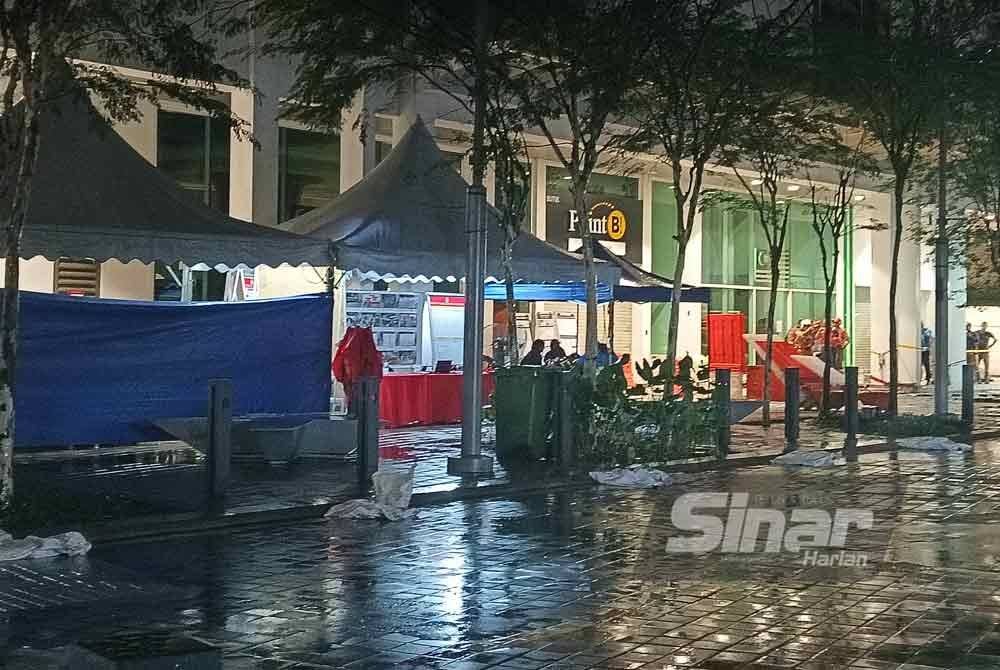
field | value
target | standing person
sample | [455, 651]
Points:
[970, 347]
[984, 342]
[926, 342]
[534, 357]
[603, 355]
[555, 353]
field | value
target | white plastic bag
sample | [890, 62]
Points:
[66, 544]
[393, 490]
[393, 484]
[932, 444]
[15, 550]
[636, 477]
[807, 459]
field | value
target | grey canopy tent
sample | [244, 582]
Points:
[405, 221]
[93, 196]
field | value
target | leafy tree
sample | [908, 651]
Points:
[579, 61]
[695, 97]
[47, 48]
[975, 236]
[776, 143]
[831, 220]
[460, 49]
[894, 65]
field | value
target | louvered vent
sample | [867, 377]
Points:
[762, 271]
[78, 276]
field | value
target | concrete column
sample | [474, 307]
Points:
[689, 326]
[241, 160]
[126, 281]
[406, 99]
[956, 324]
[907, 297]
[642, 313]
[352, 149]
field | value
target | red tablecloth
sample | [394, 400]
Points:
[424, 398]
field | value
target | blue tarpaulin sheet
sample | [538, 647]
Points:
[561, 292]
[97, 371]
[576, 292]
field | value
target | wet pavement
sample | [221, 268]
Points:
[583, 579]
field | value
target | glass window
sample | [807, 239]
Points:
[194, 150]
[309, 172]
[382, 150]
[805, 256]
[807, 306]
[168, 282]
[557, 183]
[780, 313]
[454, 160]
[664, 229]
[519, 193]
[727, 251]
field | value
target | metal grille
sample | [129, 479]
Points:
[78, 276]
[863, 330]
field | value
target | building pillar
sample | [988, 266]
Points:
[689, 325]
[406, 100]
[907, 298]
[241, 158]
[956, 324]
[642, 313]
[352, 148]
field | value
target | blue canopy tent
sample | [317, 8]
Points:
[641, 286]
[576, 292]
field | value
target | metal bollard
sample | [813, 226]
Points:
[220, 431]
[968, 396]
[366, 401]
[723, 385]
[793, 394]
[565, 426]
[851, 414]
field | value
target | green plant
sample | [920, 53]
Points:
[34, 510]
[614, 429]
[911, 425]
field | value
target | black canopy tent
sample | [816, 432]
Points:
[93, 196]
[405, 222]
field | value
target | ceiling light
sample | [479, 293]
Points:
[567, 178]
[859, 198]
[793, 188]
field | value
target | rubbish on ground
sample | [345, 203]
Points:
[65, 544]
[808, 459]
[393, 490]
[932, 444]
[636, 477]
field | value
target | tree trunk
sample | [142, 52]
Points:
[508, 277]
[829, 285]
[9, 309]
[590, 274]
[827, 358]
[772, 303]
[897, 240]
[673, 322]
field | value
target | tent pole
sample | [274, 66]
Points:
[472, 461]
[611, 325]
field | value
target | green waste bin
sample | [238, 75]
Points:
[523, 402]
